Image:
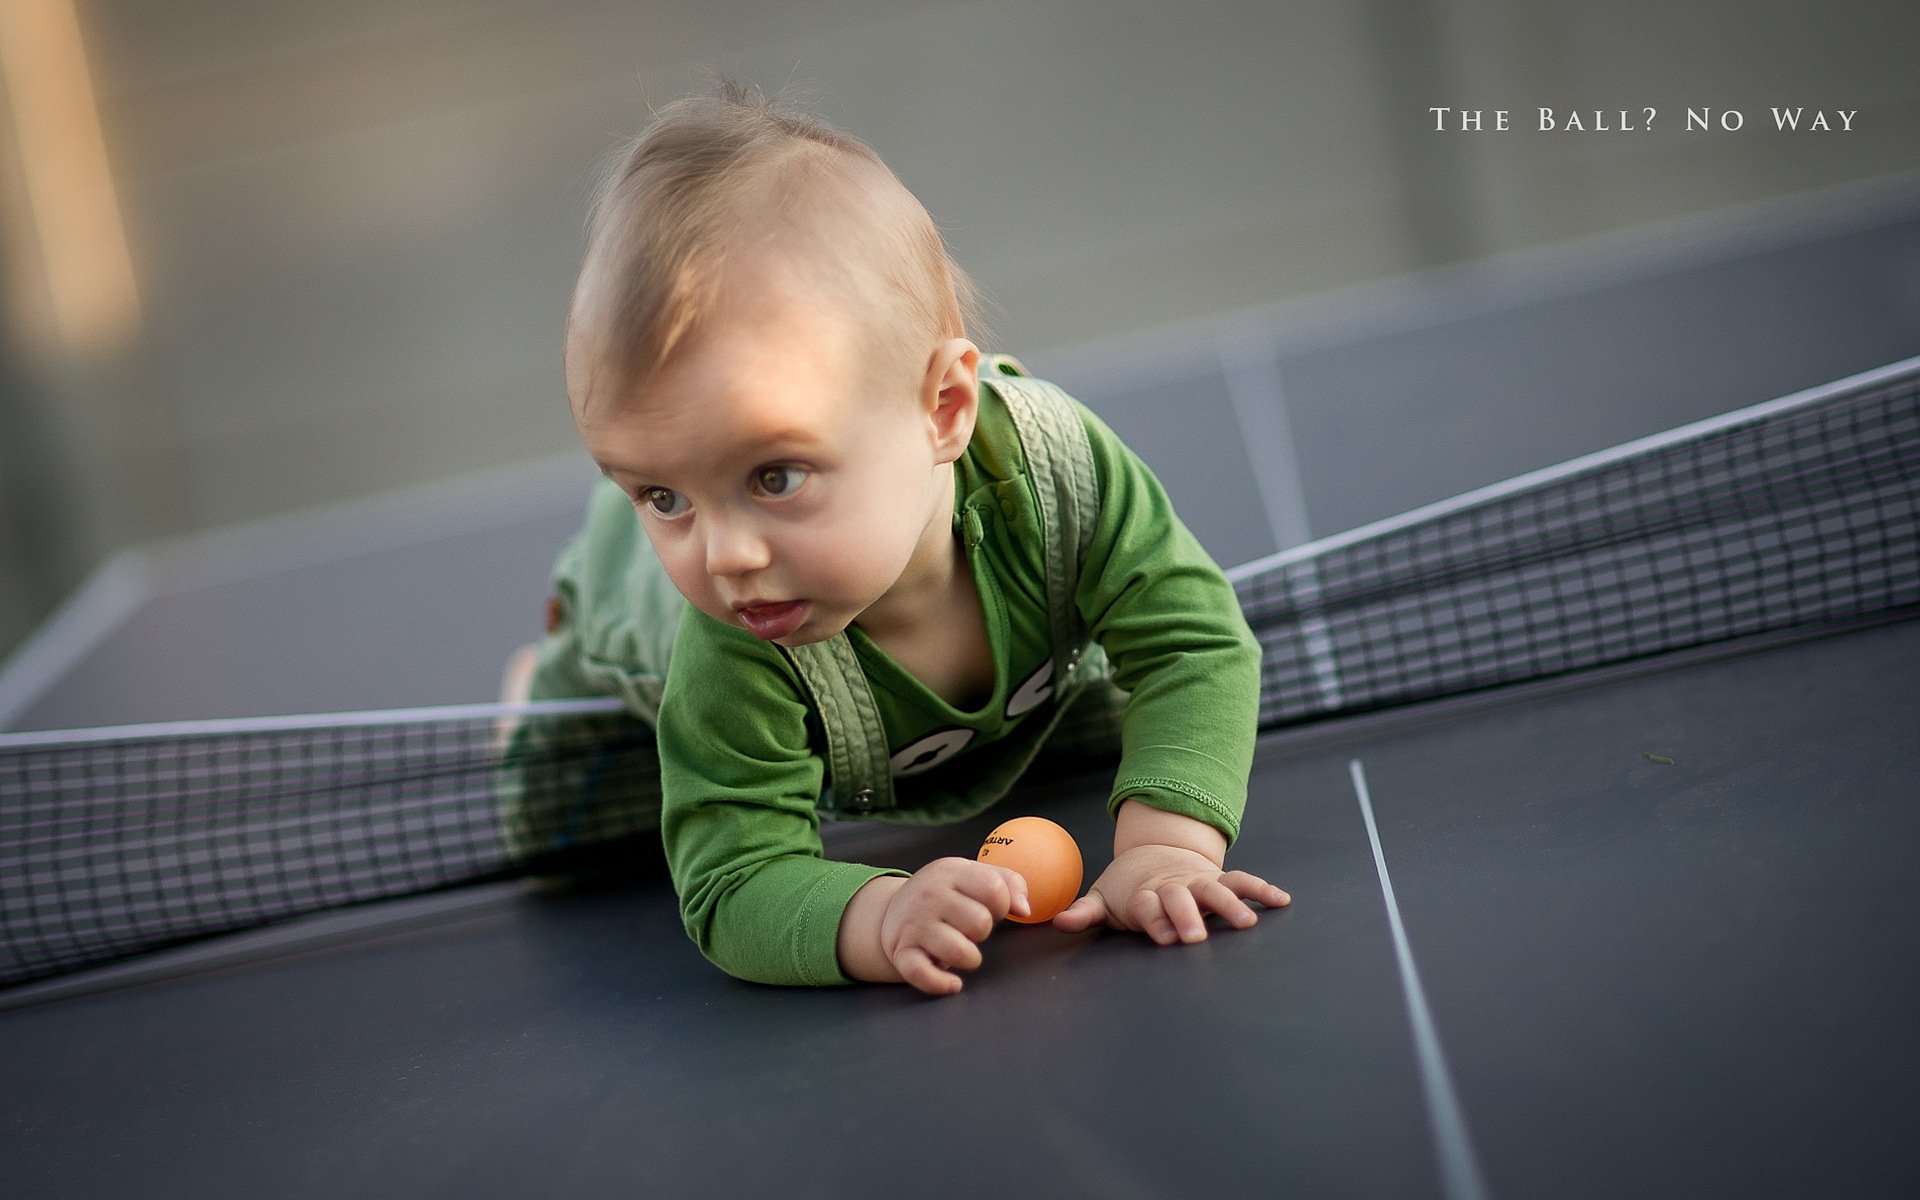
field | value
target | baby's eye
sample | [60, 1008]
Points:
[780, 481]
[663, 502]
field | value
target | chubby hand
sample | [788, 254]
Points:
[1166, 893]
[934, 922]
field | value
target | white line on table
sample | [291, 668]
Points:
[1459, 1169]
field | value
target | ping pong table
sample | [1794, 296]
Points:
[1641, 929]
[1647, 931]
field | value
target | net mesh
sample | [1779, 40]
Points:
[128, 841]
[1796, 514]
[1788, 515]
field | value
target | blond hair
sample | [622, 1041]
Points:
[718, 182]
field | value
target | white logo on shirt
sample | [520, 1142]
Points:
[1038, 687]
[941, 745]
[930, 751]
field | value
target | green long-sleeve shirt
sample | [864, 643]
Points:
[742, 751]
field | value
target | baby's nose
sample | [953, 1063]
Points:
[734, 547]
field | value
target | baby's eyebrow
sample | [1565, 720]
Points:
[758, 446]
[794, 436]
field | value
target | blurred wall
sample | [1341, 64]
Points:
[353, 223]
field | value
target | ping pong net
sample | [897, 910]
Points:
[1796, 514]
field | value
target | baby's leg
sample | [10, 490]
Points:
[516, 679]
[516, 684]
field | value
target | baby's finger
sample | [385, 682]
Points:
[1217, 897]
[1084, 913]
[974, 918]
[1252, 887]
[952, 948]
[1149, 915]
[1019, 905]
[1184, 911]
[1001, 889]
[919, 970]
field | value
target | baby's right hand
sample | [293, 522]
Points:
[934, 923]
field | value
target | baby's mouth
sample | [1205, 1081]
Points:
[771, 621]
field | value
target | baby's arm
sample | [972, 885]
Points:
[923, 929]
[1165, 878]
[1171, 624]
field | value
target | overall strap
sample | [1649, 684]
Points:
[857, 755]
[1060, 466]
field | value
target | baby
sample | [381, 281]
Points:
[824, 536]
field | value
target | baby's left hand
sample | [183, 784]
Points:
[1166, 892]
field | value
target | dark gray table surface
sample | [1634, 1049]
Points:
[1691, 977]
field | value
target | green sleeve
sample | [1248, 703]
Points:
[1171, 626]
[739, 780]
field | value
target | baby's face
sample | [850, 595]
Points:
[786, 482]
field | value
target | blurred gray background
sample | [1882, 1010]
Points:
[350, 228]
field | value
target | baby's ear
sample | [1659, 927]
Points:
[952, 393]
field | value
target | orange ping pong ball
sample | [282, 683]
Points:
[1045, 855]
